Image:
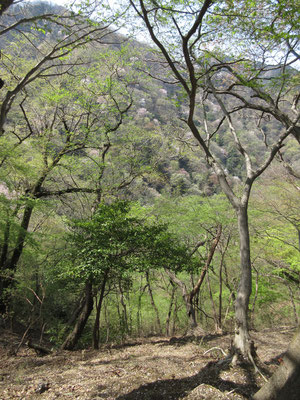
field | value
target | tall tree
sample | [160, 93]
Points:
[115, 243]
[76, 123]
[186, 34]
[22, 33]
[189, 295]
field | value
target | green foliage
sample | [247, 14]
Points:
[106, 127]
[116, 240]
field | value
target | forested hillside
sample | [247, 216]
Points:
[150, 185]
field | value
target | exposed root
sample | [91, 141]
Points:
[215, 348]
[249, 358]
[256, 369]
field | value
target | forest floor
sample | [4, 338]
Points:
[148, 369]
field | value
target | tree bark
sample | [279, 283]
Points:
[153, 304]
[124, 326]
[285, 382]
[170, 309]
[242, 343]
[189, 81]
[139, 307]
[296, 316]
[9, 266]
[74, 336]
[96, 337]
[220, 294]
[213, 306]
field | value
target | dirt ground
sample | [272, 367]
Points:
[148, 369]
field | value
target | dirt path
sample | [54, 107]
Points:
[152, 369]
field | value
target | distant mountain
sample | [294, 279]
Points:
[160, 107]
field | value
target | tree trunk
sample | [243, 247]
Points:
[222, 266]
[213, 306]
[255, 298]
[106, 318]
[139, 309]
[293, 304]
[124, 315]
[175, 317]
[98, 312]
[220, 293]
[9, 266]
[285, 382]
[4, 250]
[153, 304]
[189, 296]
[242, 343]
[77, 310]
[190, 310]
[168, 332]
[74, 336]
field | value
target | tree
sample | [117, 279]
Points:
[115, 243]
[186, 33]
[47, 59]
[275, 204]
[189, 296]
[74, 123]
[204, 224]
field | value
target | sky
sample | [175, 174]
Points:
[142, 37]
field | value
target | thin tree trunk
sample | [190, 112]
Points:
[190, 310]
[139, 312]
[175, 316]
[220, 294]
[189, 296]
[153, 304]
[106, 317]
[123, 315]
[10, 265]
[170, 309]
[77, 310]
[293, 304]
[4, 249]
[96, 333]
[215, 315]
[231, 297]
[211, 253]
[74, 336]
[222, 264]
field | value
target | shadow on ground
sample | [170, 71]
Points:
[183, 340]
[178, 341]
[179, 388]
